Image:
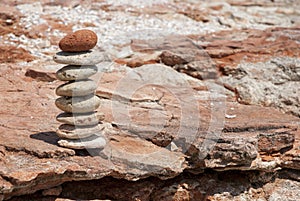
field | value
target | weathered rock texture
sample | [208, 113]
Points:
[208, 111]
[272, 83]
[257, 138]
[81, 40]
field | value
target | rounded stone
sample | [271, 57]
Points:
[86, 119]
[81, 40]
[77, 88]
[80, 104]
[72, 72]
[80, 58]
[93, 142]
[75, 132]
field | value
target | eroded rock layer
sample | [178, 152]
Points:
[202, 106]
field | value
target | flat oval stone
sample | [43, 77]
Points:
[80, 104]
[92, 142]
[80, 58]
[72, 72]
[81, 40]
[86, 119]
[76, 132]
[77, 88]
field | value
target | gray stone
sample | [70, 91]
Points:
[77, 88]
[76, 132]
[86, 143]
[272, 83]
[87, 119]
[72, 72]
[80, 58]
[81, 104]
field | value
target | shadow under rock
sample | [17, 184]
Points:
[51, 138]
[88, 152]
[48, 137]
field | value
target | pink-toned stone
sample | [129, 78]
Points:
[81, 40]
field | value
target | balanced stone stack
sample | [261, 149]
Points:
[77, 96]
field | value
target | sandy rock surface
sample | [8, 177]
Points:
[200, 100]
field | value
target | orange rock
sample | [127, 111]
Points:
[78, 41]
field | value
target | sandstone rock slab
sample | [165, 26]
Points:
[139, 155]
[271, 83]
[40, 75]
[152, 145]
[124, 106]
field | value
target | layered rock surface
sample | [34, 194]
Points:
[182, 128]
[253, 137]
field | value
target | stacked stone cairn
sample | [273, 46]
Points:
[80, 128]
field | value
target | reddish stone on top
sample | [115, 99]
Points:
[78, 41]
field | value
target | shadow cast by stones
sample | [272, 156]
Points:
[88, 152]
[48, 137]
